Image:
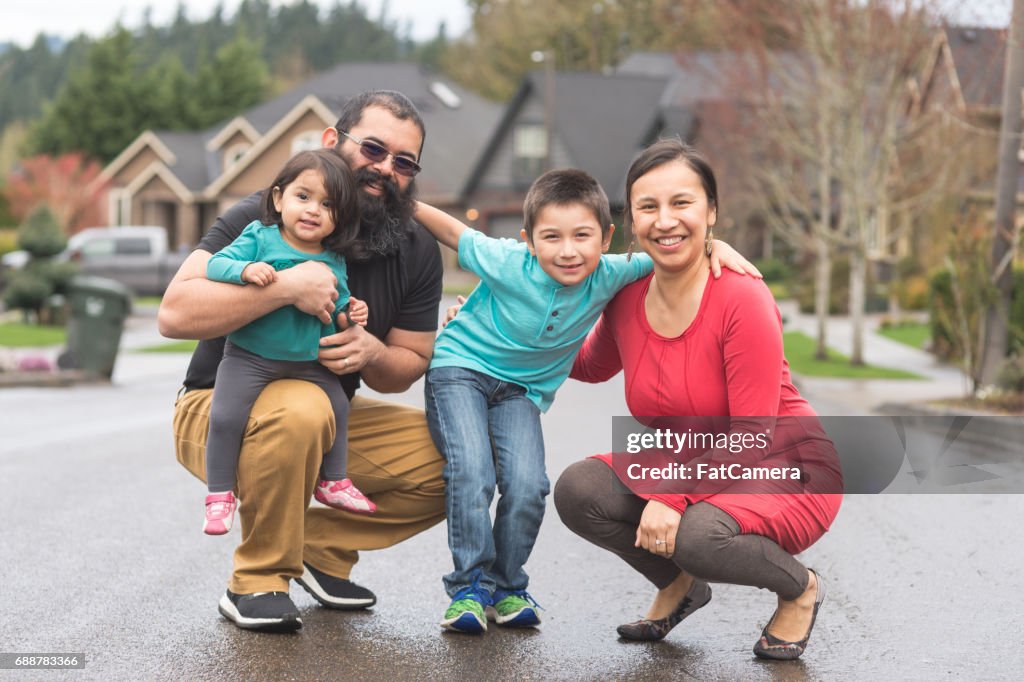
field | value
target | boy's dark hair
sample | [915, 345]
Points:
[660, 153]
[341, 188]
[564, 187]
[400, 106]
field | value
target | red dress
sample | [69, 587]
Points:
[728, 363]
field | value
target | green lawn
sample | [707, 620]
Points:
[171, 347]
[911, 334]
[800, 353]
[18, 335]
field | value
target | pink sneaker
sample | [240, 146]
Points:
[343, 495]
[220, 513]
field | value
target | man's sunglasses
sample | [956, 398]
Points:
[403, 165]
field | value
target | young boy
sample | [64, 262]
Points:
[496, 367]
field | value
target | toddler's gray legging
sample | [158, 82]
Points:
[595, 505]
[240, 378]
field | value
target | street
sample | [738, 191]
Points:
[103, 555]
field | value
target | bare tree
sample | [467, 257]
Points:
[839, 152]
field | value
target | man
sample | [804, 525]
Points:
[391, 457]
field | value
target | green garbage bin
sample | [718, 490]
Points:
[97, 309]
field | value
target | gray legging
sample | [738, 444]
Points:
[595, 505]
[241, 377]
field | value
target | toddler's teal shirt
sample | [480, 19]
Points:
[286, 333]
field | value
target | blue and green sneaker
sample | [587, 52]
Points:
[514, 609]
[466, 612]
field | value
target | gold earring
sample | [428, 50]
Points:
[708, 245]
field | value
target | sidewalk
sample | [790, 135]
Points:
[864, 396]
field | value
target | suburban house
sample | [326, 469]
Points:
[481, 157]
[599, 122]
[184, 180]
[964, 74]
[963, 83]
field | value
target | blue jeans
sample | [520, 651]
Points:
[489, 433]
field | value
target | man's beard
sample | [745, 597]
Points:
[384, 221]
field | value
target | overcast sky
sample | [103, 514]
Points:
[22, 20]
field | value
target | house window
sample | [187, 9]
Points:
[234, 153]
[530, 149]
[306, 141]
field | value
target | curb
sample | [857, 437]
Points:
[61, 379]
[986, 428]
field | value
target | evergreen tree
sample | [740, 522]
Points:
[99, 110]
[236, 79]
[174, 105]
[40, 234]
[31, 286]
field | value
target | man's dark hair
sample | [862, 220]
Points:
[563, 188]
[400, 106]
[341, 188]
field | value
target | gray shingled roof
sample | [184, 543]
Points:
[979, 56]
[455, 136]
[694, 76]
[603, 120]
[192, 166]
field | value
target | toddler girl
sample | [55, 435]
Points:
[310, 213]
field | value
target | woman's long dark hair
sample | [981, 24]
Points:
[341, 188]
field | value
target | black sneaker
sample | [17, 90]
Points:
[266, 611]
[335, 593]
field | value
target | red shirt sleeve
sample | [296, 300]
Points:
[752, 351]
[598, 359]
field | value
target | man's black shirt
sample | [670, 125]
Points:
[402, 290]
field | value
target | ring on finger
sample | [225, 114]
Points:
[659, 542]
[345, 361]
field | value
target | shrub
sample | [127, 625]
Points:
[31, 287]
[1011, 374]
[27, 291]
[8, 241]
[912, 292]
[942, 309]
[774, 270]
[839, 291]
[40, 234]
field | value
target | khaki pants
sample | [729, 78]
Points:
[391, 458]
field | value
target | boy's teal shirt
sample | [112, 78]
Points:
[520, 325]
[286, 333]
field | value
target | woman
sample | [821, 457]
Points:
[693, 346]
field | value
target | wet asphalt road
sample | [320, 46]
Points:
[102, 553]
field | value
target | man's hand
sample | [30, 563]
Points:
[453, 310]
[659, 524]
[312, 288]
[350, 350]
[260, 274]
[724, 255]
[358, 311]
